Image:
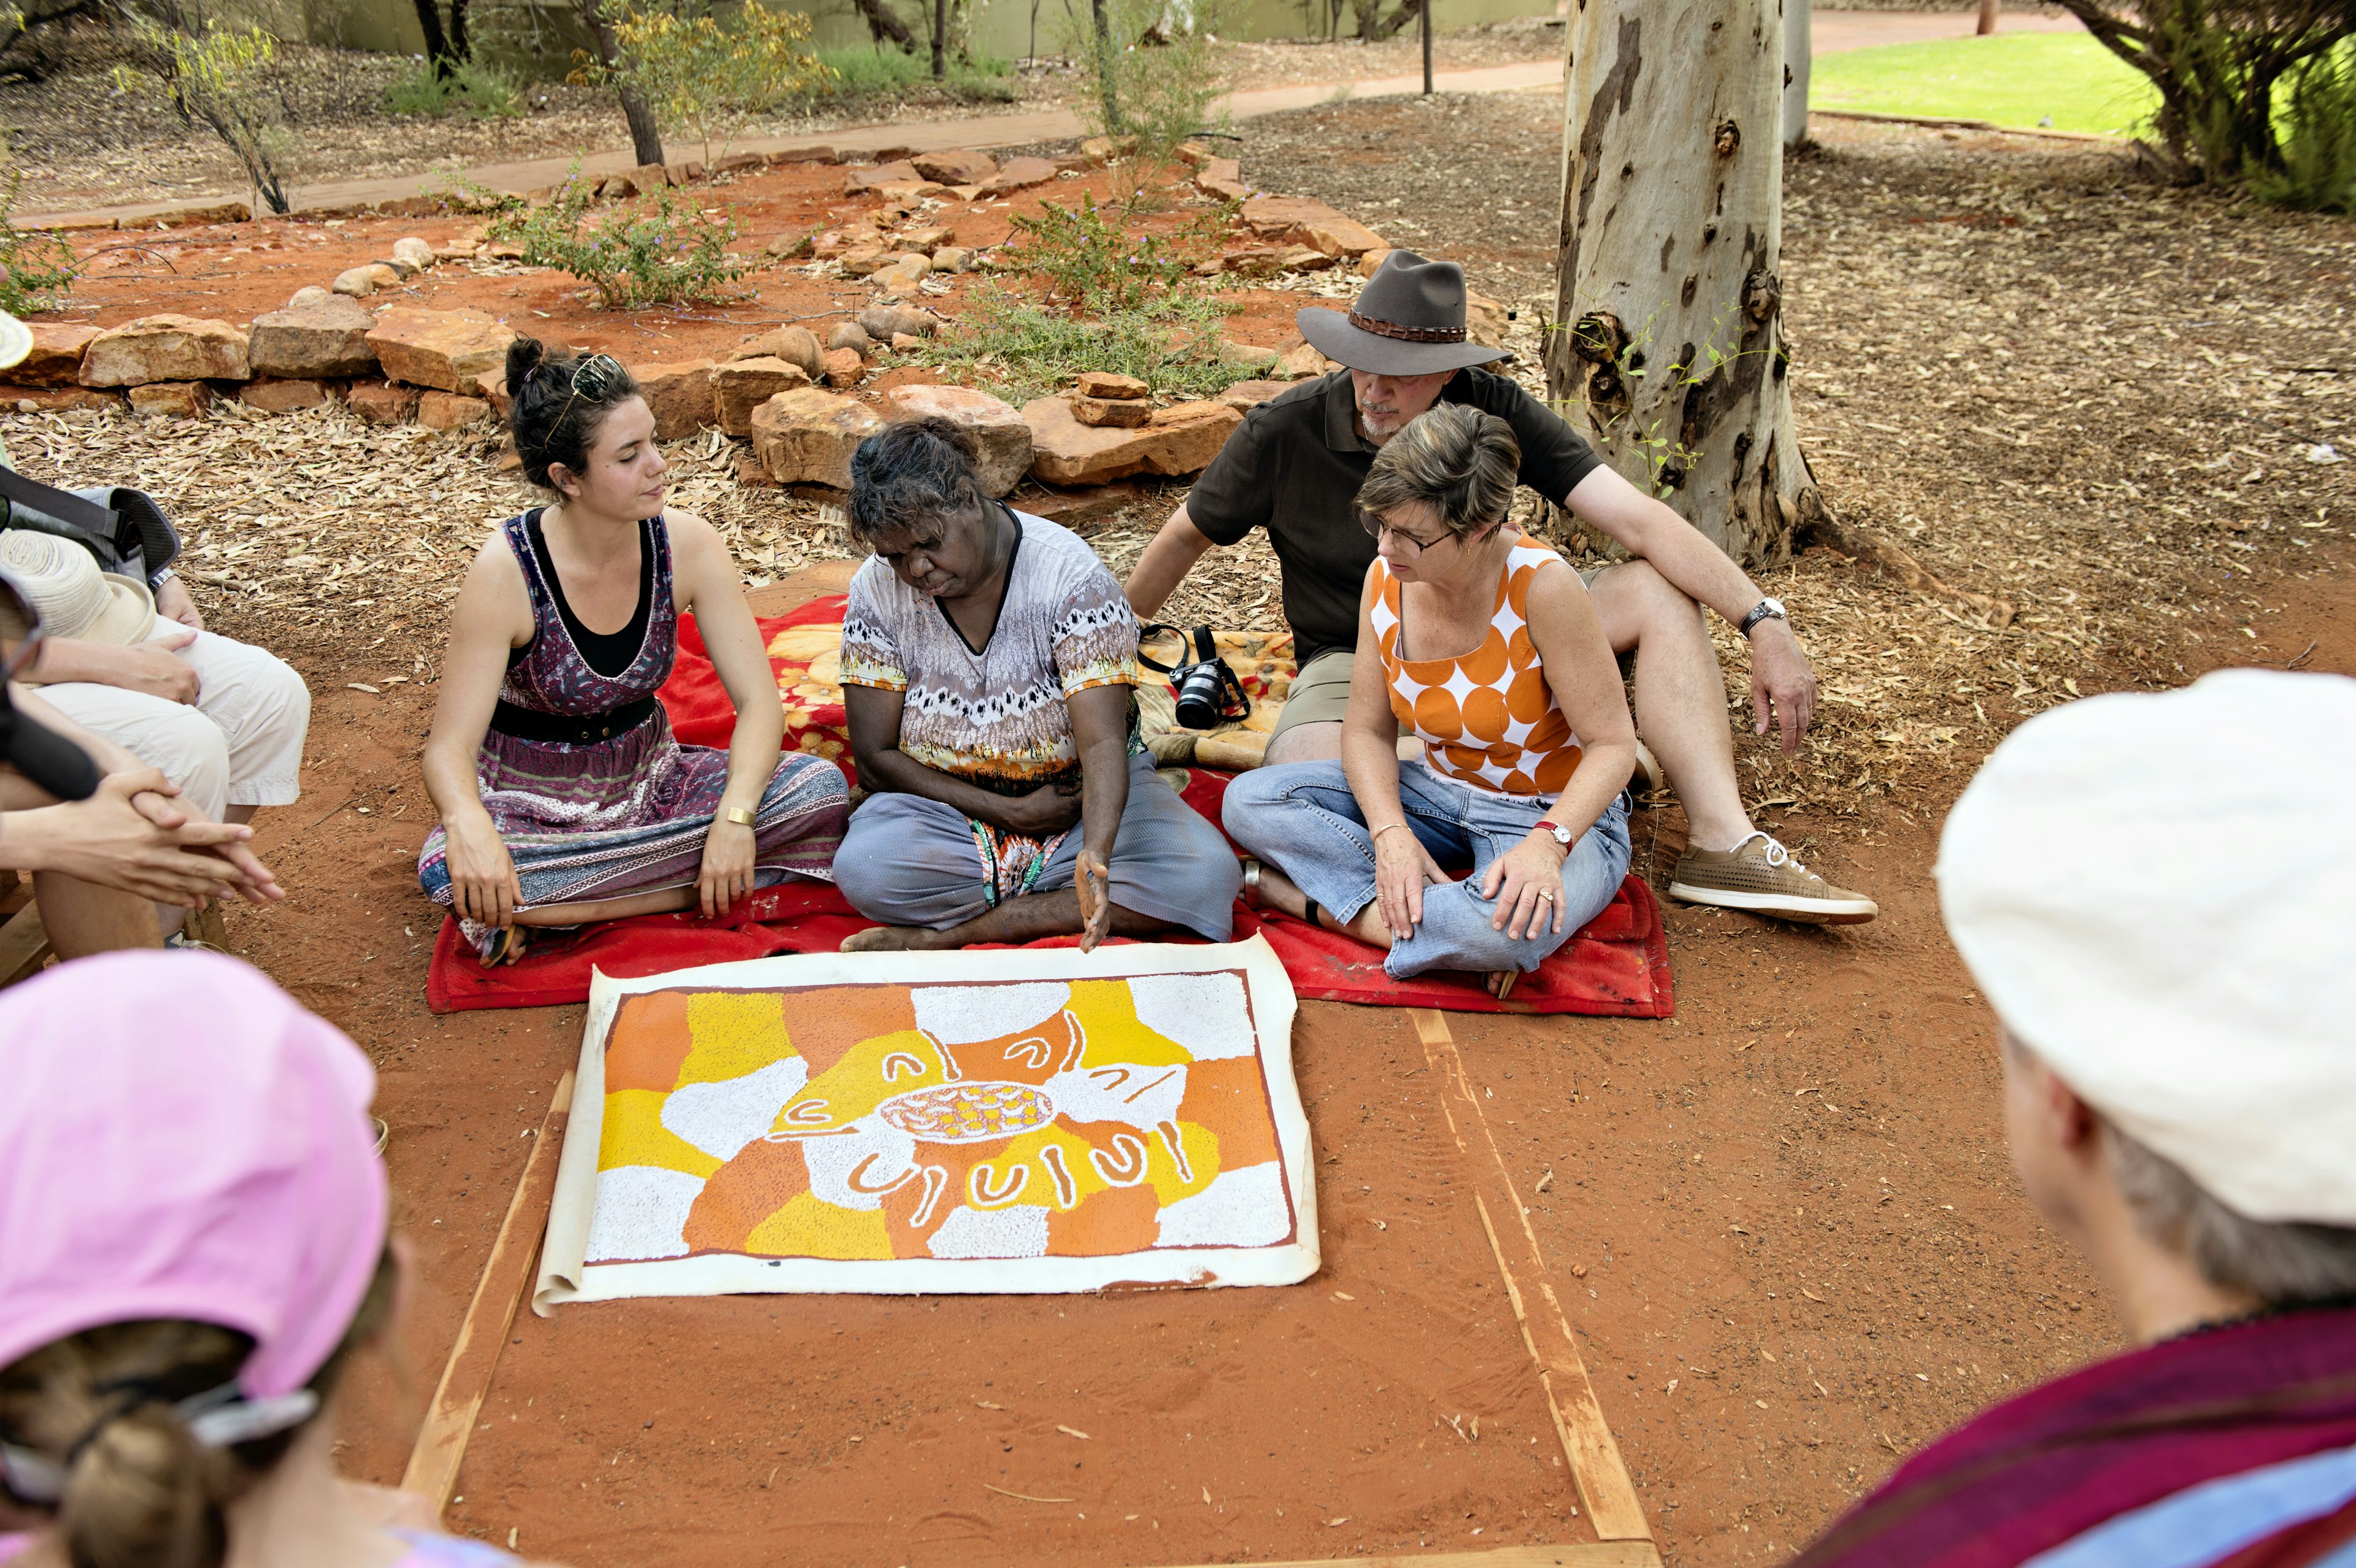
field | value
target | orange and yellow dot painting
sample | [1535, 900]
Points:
[1003, 1132]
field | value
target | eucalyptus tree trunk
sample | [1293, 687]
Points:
[1669, 348]
[1798, 50]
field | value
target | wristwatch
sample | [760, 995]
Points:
[1767, 609]
[1561, 835]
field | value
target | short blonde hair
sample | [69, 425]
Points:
[1459, 461]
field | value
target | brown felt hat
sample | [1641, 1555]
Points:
[1408, 321]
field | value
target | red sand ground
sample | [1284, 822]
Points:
[1792, 1201]
[235, 271]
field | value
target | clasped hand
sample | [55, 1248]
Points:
[1043, 813]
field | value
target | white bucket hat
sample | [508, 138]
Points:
[2157, 893]
[16, 340]
[64, 585]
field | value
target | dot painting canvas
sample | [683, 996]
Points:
[1029, 1121]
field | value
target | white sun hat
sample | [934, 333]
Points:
[74, 597]
[16, 340]
[2157, 893]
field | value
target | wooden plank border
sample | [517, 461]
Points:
[441, 1447]
[1608, 1555]
[1593, 1454]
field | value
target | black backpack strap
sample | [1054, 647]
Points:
[91, 517]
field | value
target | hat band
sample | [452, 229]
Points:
[1407, 334]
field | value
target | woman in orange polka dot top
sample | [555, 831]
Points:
[1480, 643]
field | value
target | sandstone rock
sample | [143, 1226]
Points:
[363, 281]
[403, 270]
[794, 245]
[678, 394]
[178, 400]
[309, 293]
[1101, 150]
[865, 261]
[962, 166]
[274, 396]
[930, 238]
[852, 336]
[843, 368]
[687, 171]
[166, 348]
[909, 191]
[1251, 394]
[1104, 413]
[456, 250]
[445, 349]
[903, 276]
[449, 410]
[997, 426]
[1303, 259]
[750, 473]
[736, 162]
[1106, 385]
[60, 399]
[798, 344]
[1254, 260]
[855, 180]
[807, 436]
[1180, 439]
[882, 322]
[952, 258]
[309, 341]
[492, 387]
[906, 343]
[649, 176]
[378, 402]
[1073, 507]
[1194, 155]
[1372, 262]
[1016, 173]
[1301, 362]
[1280, 217]
[56, 359]
[807, 154]
[1234, 353]
[740, 386]
[1223, 179]
[1340, 237]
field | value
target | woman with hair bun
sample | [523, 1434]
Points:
[190, 1261]
[564, 797]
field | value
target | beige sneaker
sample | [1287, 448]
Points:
[1759, 874]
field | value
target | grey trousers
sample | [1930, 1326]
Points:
[907, 861]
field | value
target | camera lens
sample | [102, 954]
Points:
[1198, 696]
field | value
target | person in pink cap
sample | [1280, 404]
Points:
[192, 1246]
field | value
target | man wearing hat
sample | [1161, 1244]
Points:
[2171, 959]
[1294, 468]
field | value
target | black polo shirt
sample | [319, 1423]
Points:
[1294, 467]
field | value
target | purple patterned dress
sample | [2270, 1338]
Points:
[618, 807]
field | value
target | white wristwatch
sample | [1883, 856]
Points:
[1767, 609]
[1561, 835]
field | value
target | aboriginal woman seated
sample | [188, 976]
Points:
[988, 661]
[564, 797]
[1482, 643]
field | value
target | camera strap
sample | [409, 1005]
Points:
[1197, 646]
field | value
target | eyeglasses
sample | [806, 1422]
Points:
[1377, 528]
[19, 611]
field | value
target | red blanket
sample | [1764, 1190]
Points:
[1617, 967]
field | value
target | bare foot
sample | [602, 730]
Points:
[1500, 983]
[882, 939]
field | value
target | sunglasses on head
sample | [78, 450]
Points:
[594, 377]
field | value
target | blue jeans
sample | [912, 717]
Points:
[1302, 819]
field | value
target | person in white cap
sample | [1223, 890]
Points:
[2171, 957]
[1294, 468]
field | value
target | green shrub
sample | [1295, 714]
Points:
[1090, 262]
[704, 76]
[476, 87]
[1173, 341]
[661, 249]
[1146, 79]
[226, 80]
[37, 268]
[888, 73]
[2317, 132]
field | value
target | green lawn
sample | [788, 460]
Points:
[2011, 78]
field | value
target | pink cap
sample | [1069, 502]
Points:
[178, 1138]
